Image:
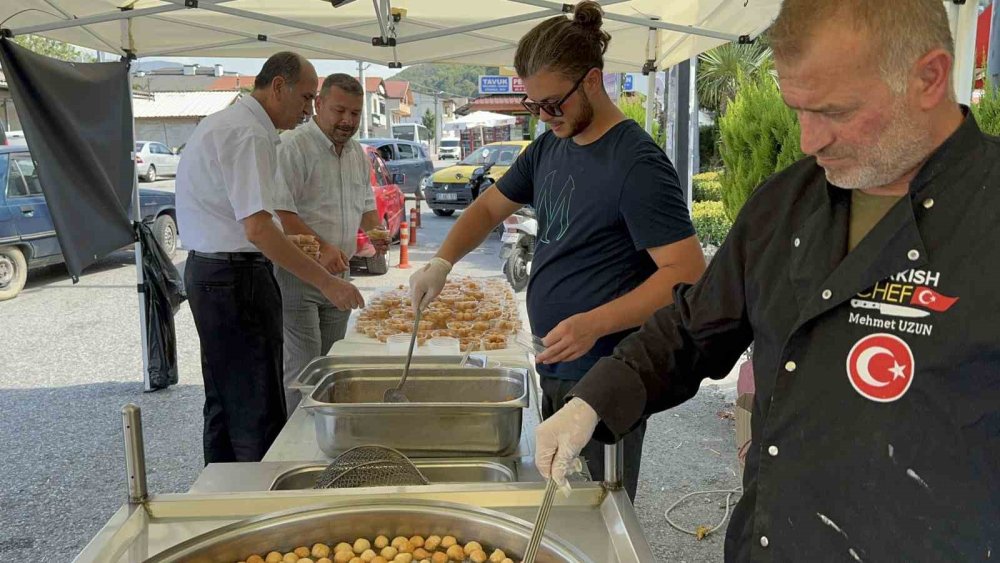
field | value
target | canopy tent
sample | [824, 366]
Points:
[483, 33]
[480, 119]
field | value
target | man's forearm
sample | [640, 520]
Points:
[635, 307]
[264, 234]
[471, 229]
[294, 225]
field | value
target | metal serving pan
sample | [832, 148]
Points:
[320, 366]
[453, 412]
[304, 527]
[437, 471]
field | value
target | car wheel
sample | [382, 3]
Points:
[165, 230]
[444, 212]
[377, 265]
[151, 173]
[13, 272]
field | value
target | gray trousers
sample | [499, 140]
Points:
[312, 325]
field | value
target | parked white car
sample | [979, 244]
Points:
[450, 148]
[154, 159]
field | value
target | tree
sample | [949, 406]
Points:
[987, 110]
[634, 107]
[429, 120]
[452, 79]
[53, 48]
[719, 71]
[760, 136]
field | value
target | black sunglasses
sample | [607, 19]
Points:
[552, 108]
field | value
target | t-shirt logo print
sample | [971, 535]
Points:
[553, 208]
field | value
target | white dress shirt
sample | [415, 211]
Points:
[228, 172]
[329, 192]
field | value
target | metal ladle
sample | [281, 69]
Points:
[395, 395]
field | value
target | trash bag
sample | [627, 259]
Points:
[162, 297]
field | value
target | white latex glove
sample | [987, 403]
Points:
[560, 439]
[427, 282]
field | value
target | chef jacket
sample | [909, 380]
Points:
[876, 419]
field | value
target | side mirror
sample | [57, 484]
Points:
[174, 151]
[398, 179]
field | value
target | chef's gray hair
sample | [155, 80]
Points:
[902, 31]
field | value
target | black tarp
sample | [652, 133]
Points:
[77, 121]
[164, 295]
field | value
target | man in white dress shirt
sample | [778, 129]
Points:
[226, 188]
[329, 196]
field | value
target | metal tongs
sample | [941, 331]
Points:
[395, 395]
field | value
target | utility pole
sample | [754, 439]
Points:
[437, 120]
[366, 113]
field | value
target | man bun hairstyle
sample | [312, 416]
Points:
[569, 46]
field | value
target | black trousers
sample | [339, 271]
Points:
[554, 393]
[237, 311]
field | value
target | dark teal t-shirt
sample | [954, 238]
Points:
[599, 207]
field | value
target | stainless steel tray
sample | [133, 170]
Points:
[323, 365]
[452, 411]
[437, 471]
[304, 527]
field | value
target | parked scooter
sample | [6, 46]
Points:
[520, 231]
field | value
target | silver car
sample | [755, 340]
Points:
[154, 159]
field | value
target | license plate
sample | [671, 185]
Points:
[510, 238]
[447, 197]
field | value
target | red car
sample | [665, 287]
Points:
[389, 200]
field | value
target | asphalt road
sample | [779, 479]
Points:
[70, 359]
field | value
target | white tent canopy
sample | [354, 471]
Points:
[480, 119]
[484, 32]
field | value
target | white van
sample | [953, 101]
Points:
[450, 148]
[413, 132]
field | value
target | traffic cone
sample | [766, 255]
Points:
[404, 246]
[413, 227]
[415, 217]
[419, 212]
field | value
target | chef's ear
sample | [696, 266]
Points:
[278, 84]
[932, 79]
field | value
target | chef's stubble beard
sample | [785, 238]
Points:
[901, 147]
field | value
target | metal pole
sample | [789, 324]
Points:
[993, 62]
[964, 29]
[140, 279]
[135, 454]
[694, 128]
[614, 461]
[437, 122]
[683, 144]
[368, 105]
[651, 46]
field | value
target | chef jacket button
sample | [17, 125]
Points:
[827, 294]
[791, 366]
[773, 451]
[928, 203]
[764, 541]
[913, 255]
[797, 242]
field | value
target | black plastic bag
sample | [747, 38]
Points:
[164, 293]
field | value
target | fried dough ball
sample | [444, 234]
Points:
[290, 557]
[273, 557]
[478, 556]
[472, 546]
[439, 557]
[343, 546]
[305, 560]
[389, 553]
[421, 553]
[368, 556]
[361, 545]
[448, 541]
[255, 559]
[324, 560]
[432, 542]
[301, 552]
[456, 553]
[343, 556]
[381, 542]
[320, 550]
[507, 560]
[498, 556]
[403, 558]
[417, 541]
[379, 559]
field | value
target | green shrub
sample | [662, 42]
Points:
[635, 108]
[707, 190]
[760, 136]
[710, 222]
[710, 176]
[987, 110]
[708, 147]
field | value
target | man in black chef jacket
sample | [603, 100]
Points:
[866, 276]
